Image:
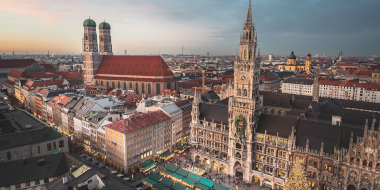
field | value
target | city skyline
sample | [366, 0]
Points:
[212, 26]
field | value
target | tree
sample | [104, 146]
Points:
[297, 178]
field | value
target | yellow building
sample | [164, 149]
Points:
[292, 64]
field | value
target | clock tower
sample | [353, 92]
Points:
[244, 105]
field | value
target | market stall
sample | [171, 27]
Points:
[188, 182]
[200, 187]
[147, 165]
[166, 155]
[194, 177]
[196, 170]
[171, 168]
[206, 182]
[180, 150]
[165, 173]
[178, 186]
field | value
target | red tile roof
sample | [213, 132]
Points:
[269, 77]
[134, 65]
[16, 73]
[369, 86]
[48, 66]
[140, 120]
[33, 84]
[346, 64]
[183, 103]
[305, 76]
[169, 92]
[10, 82]
[16, 63]
[53, 74]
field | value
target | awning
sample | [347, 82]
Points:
[178, 186]
[150, 181]
[167, 182]
[200, 186]
[166, 154]
[189, 181]
[182, 172]
[160, 186]
[180, 149]
[194, 177]
[171, 168]
[167, 172]
[218, 186]
[147, 164]
[206, 182]
[176, 176]
[155, 177]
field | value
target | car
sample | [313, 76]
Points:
[120, 175]
[113, 172]
[126, 179]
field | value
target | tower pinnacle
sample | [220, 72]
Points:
[249, 15]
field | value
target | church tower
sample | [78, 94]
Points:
[91, 57]
[105, 45]
[244, 103]
[308, 63]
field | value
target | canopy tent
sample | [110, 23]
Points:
[176, 176]
[188, 182]
[155, 177]
[159, 186]
[182, 172]
[166, 155]
[194, 177]
[200, 187]
[206, 182]
[171, 168]
[149, 181]
[178, 186]
[147, 165]
[167, 182]
[180, 150]
[165, 173]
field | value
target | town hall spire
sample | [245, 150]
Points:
[249, 15]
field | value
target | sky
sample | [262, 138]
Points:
[152, 26]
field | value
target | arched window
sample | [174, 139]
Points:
[239, 92]
[245, 54]
[108, 84]
[158, 88]
[250, 54]
[118, 85]
[365, 177]
[125, 86]
[245, 92]
[246, 35]
[101, 83]
[101, 38]
[149, 89]
[250, 34]
[97, 83]
[142, 88]
[353, 174]
[137, 88]
[365, 163]
[113, 84]
[130, 85]
[168, 85]
[238, 145]
[86, 37]
[370, 164]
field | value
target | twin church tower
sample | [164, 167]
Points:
[92, 55]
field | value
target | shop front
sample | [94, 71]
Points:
[147, 166]
[267, 183]
[279, 186]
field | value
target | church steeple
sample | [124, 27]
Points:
[249, 15]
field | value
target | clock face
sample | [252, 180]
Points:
[109, 47]
[95, 47]
[243, 78]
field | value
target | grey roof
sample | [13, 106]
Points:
[274, 124]
[28, 137]
[213, 112]
[16, 121]
[103, 174]
[14, 172]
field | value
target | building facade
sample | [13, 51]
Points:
[147, 75]
[292, 64]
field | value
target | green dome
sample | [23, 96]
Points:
[89, 22]
[104, 25]
[292, 56]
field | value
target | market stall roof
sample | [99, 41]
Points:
[206, 182]
[178, 186]
[160, 186]
[186, 144]
[167, 182]
[182, 172]
[147, 164]
[171, 168]
[189, 181]
[180, 148]
[200, 186]
[150, 181]
[220, 187]
[176, 176]
[165, 154]
[155, 177]
[166, 171]
[194, 177]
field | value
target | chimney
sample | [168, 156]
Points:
[40, 162]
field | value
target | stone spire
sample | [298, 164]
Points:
[249, 15]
